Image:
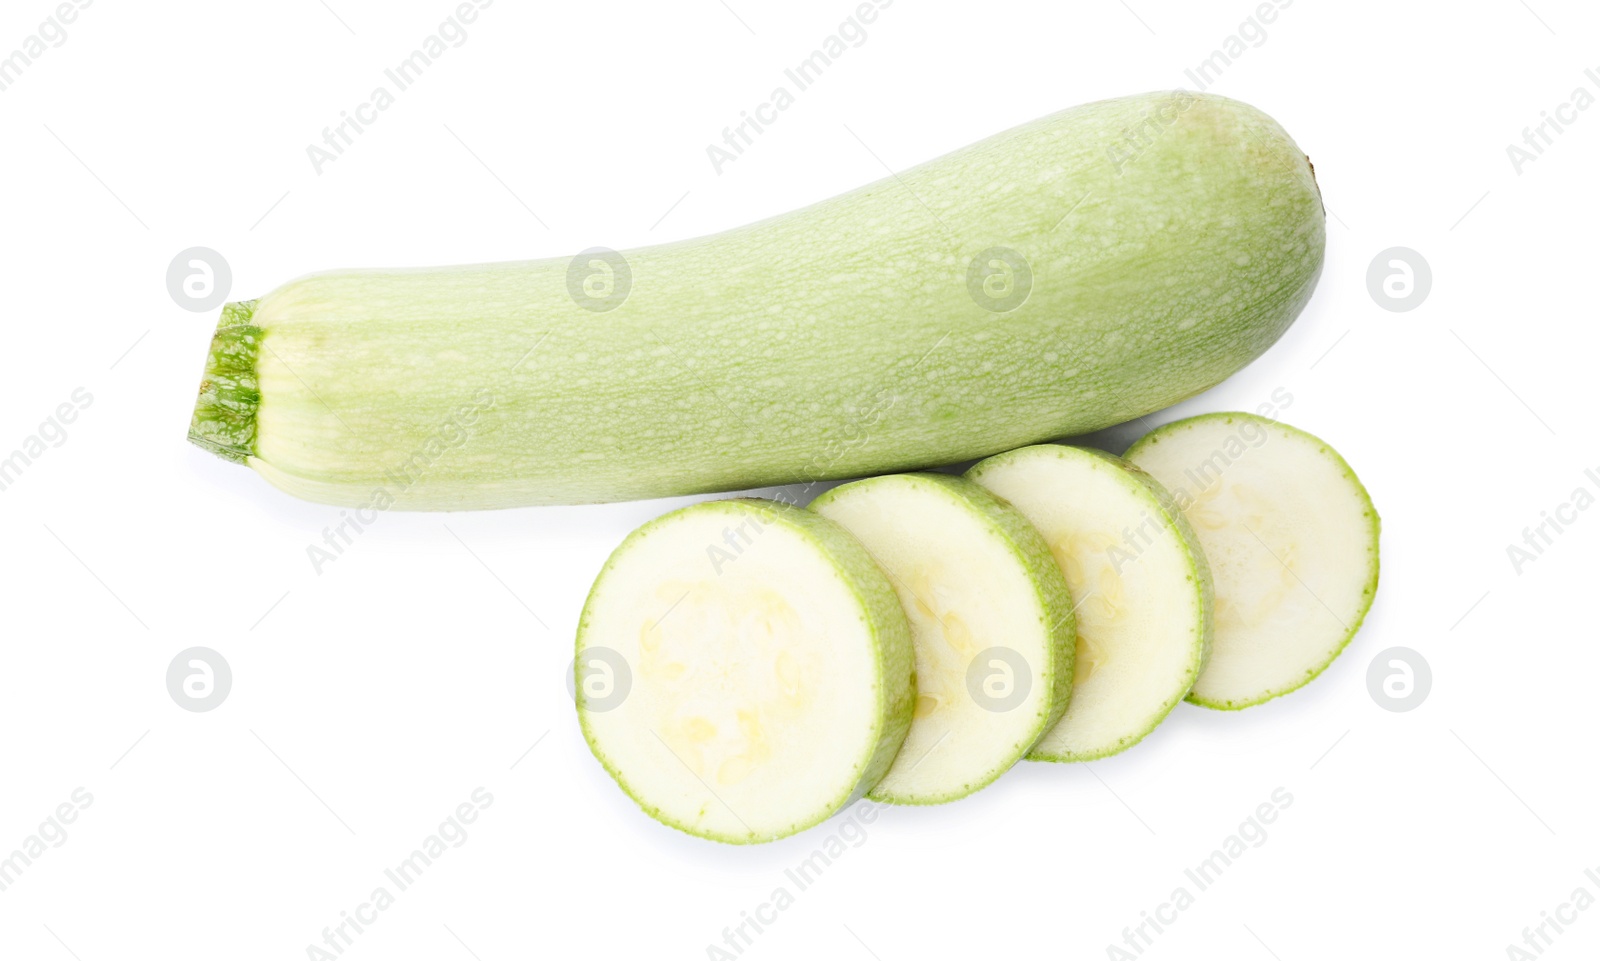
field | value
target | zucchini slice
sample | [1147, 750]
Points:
[1292, 538]
[743, 670]
[991, 625]
[1139, 582]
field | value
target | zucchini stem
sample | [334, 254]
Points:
[224, 420]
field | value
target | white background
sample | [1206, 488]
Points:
[370, 700]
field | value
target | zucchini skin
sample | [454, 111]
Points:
[1069, 274]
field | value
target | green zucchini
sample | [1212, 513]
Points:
[1047, 281]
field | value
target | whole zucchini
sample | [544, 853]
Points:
[1068, 274]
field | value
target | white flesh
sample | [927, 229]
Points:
[1138, 582]
[971, 576]
[762, 660]
[1292, 539]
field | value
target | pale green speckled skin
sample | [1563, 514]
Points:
[834, 341]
